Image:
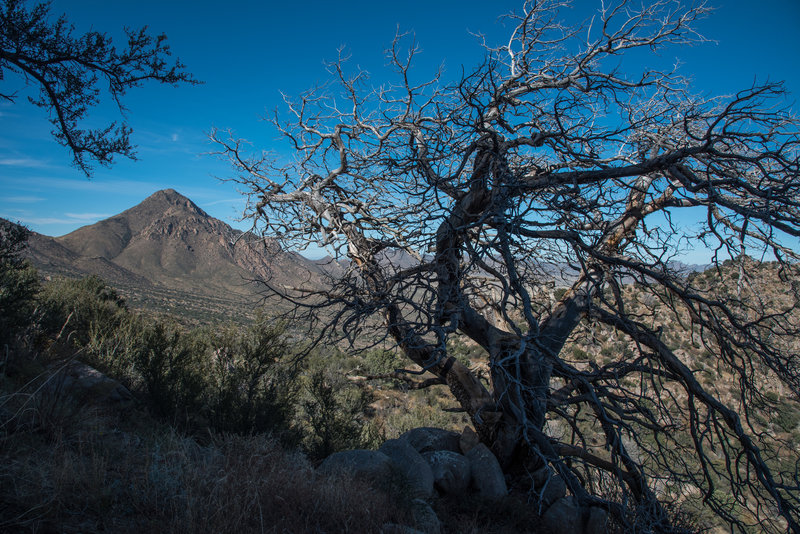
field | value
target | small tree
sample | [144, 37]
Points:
[19, 282]
[454, 204]
[70, 72]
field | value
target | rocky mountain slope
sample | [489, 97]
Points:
[167, 245]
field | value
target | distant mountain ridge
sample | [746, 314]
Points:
[166, 249]
[168, 241]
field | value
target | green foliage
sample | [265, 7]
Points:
[377, 361]
[171, 369]
[78, 310]
[240, 380]
[334, 412]
[787, 416]
[18, 288]
[19, 282]
[254, 380]
[227, 379]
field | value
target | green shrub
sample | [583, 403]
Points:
[172, 370]
[334, 412]
[80, 310]
[254, 379]
[19, 283]
[787, 416]
[377, 362]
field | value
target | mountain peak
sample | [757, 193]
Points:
[167, 240]
[166, 198]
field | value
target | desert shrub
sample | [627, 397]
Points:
[19, 283]
[580, 354]
[334, 415]
[78, 310]
[253, 379]
[171, 367]
[787, 415]
[229, 379]
[378, 361]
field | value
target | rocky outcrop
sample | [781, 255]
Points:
[565, 515]
[371, 466]
[88, 385]
[411, 466]
[451, 471]
[458, 466]
[486, 476]
[426, 439]
[425, 518]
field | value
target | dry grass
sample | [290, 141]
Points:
[90, 470]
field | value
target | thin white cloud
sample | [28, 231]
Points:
[24, 199]
[126, 187]
[88, 216]
[28, 163]
[72, 220]
[30, 221]
[231, 201]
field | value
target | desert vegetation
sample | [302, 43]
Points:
[235, 417]
[553, 155]
[209, 432]
[506, 248]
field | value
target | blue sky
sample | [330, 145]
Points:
[246, 52]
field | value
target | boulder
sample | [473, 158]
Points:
[411, 465]
[425, 518]
[425, 439]
[373, 467]
[565, 515]
[595, 521]
[469, 438]
[486, 476]
[451, 471]
[394, 528]
[552, 490]
[88, 385]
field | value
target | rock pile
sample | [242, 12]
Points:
[432, 462]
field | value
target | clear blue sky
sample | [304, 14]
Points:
[248, 51]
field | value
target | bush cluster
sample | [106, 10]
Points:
[225, 379]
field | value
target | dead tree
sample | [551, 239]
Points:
[548, 157]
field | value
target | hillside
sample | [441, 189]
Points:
[169, 255]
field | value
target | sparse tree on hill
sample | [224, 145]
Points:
[70, 72]
[455, 203]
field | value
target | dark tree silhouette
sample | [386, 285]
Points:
[456, 204]
[72, 72]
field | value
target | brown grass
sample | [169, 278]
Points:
[91, 471]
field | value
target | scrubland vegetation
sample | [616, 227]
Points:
[220, 435]
[226, 422]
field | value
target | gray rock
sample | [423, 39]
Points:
[566, 516]
[425, 518]
[552, 490]
[469, 438]
[394, 528]
[487, 477]
[596, 521]
[371, 466]
[87, 384]
[411, 465]
[451, 471]
[563, 516]
[426, 439]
